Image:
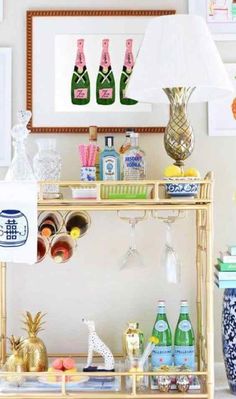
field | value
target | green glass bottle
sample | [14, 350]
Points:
[80, 83]
[126, 73]
[162, 353]
[105, 87]
[184, 351]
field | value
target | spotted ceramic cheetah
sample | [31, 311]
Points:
[95, 344]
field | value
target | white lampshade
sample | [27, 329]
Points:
[178, 51]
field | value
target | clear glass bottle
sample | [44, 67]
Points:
[47, 166]
[20, 168]
[184, 351]
[126, 145]
[134, 163]
[162, 353]
[109, 161]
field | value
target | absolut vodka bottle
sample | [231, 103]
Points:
[162, 353]
[134, 163]
[184, 351]
[105, 87]
[126, 73]
[80, 83]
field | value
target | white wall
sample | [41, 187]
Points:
[91, 285]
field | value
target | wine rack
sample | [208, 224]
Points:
[155, 200]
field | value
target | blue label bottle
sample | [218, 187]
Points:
[109, 161]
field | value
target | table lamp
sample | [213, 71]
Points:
[178, 61]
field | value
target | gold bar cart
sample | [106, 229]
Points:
[156, 200]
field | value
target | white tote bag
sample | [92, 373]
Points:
[18, 222]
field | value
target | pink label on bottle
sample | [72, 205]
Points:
[81, 93]
[105, 93]
[105, 59]
[129, 59]
[80, 58]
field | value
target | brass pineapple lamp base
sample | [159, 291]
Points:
[179, 137]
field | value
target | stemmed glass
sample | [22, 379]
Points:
[169, 259]
[132, 257]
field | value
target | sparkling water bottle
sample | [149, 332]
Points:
[184, 351]
[162, 353]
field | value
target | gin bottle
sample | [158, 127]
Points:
[184, 351]
[162, 353]
[80, 83]
[134, 164]
[126, 73]
[105, 87]
[109, 161]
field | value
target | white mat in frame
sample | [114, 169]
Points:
[5, 105]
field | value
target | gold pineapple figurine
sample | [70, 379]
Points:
[34, 350]
[15, 362]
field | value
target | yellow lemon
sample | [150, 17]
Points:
[192, 172]
[172, 171]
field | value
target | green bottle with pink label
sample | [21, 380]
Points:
[162, 352]
[184, 350]
[126, 73]
[80, 83]
[105, 87]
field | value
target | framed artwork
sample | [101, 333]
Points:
[220, 16]
[78, 66]
[5, 105]
[222, 112]
[1, 10]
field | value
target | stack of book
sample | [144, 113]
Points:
[225, 270]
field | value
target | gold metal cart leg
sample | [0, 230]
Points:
[209, 307]
[199, 290]
[3, 313]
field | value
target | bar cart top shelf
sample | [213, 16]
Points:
[127, 195]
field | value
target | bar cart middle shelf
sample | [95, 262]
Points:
[133, 196]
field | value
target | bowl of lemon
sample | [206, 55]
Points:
[181, 183]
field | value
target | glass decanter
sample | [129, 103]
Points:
[47, 166]
[20, 168]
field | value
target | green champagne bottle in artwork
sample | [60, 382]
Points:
[105, 88]
[126, 73]
[80, 83]
[184, 351]
[162, 353]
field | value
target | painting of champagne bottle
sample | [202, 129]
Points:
[105, 86]
[80, 83]
[126, 73]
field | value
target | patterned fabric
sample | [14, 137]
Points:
[229, 336]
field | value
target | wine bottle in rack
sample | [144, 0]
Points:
[126, 73]
[49, 223]
[42, 248]
[105, 87]
[80, 83]
[77, 223]
[62, 248]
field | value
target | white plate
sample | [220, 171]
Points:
[57, 384]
